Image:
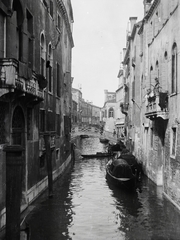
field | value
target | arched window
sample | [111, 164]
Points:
[111, 112]
[174, 69]
[43, 54]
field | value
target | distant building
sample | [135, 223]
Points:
[95, 118]
[108, 111]
[74, 113]
[120, 117]
[77, 97]
[87, 113]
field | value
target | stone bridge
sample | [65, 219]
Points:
[92, 131]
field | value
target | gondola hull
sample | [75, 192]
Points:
[98, 155]
[120, 174]
[104, 140]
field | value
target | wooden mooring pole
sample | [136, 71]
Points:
[47, 138]
[14, 168]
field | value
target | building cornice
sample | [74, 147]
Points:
[66, 19]
[148, 15]
[152, 8]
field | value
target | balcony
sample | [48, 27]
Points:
[10, 80]
[157, 106]
[119, 121]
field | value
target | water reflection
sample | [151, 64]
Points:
[86, 206]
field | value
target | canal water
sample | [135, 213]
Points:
[86, 207]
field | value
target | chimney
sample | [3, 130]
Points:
[132, 22]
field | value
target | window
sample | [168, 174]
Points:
[17, 19]
[152, 138]
[151, 75]
[43, 54]
[59, 22]
[49, 68]
[133, 89]
[30, 40]
[58, 80]
[173, 141]
[51, 8]
[58, 124]
[42, 120]
[42, 160]
[111, 112]
[157, 69]
[57, 154]
[50, 79]
[29, 123]
[174, 69]
[3, 38]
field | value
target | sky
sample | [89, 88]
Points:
[99, 33]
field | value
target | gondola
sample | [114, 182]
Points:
[119, 172]
[133, 162]
[103, 140]
[98, 155]
[84, 136]
[119, 146]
